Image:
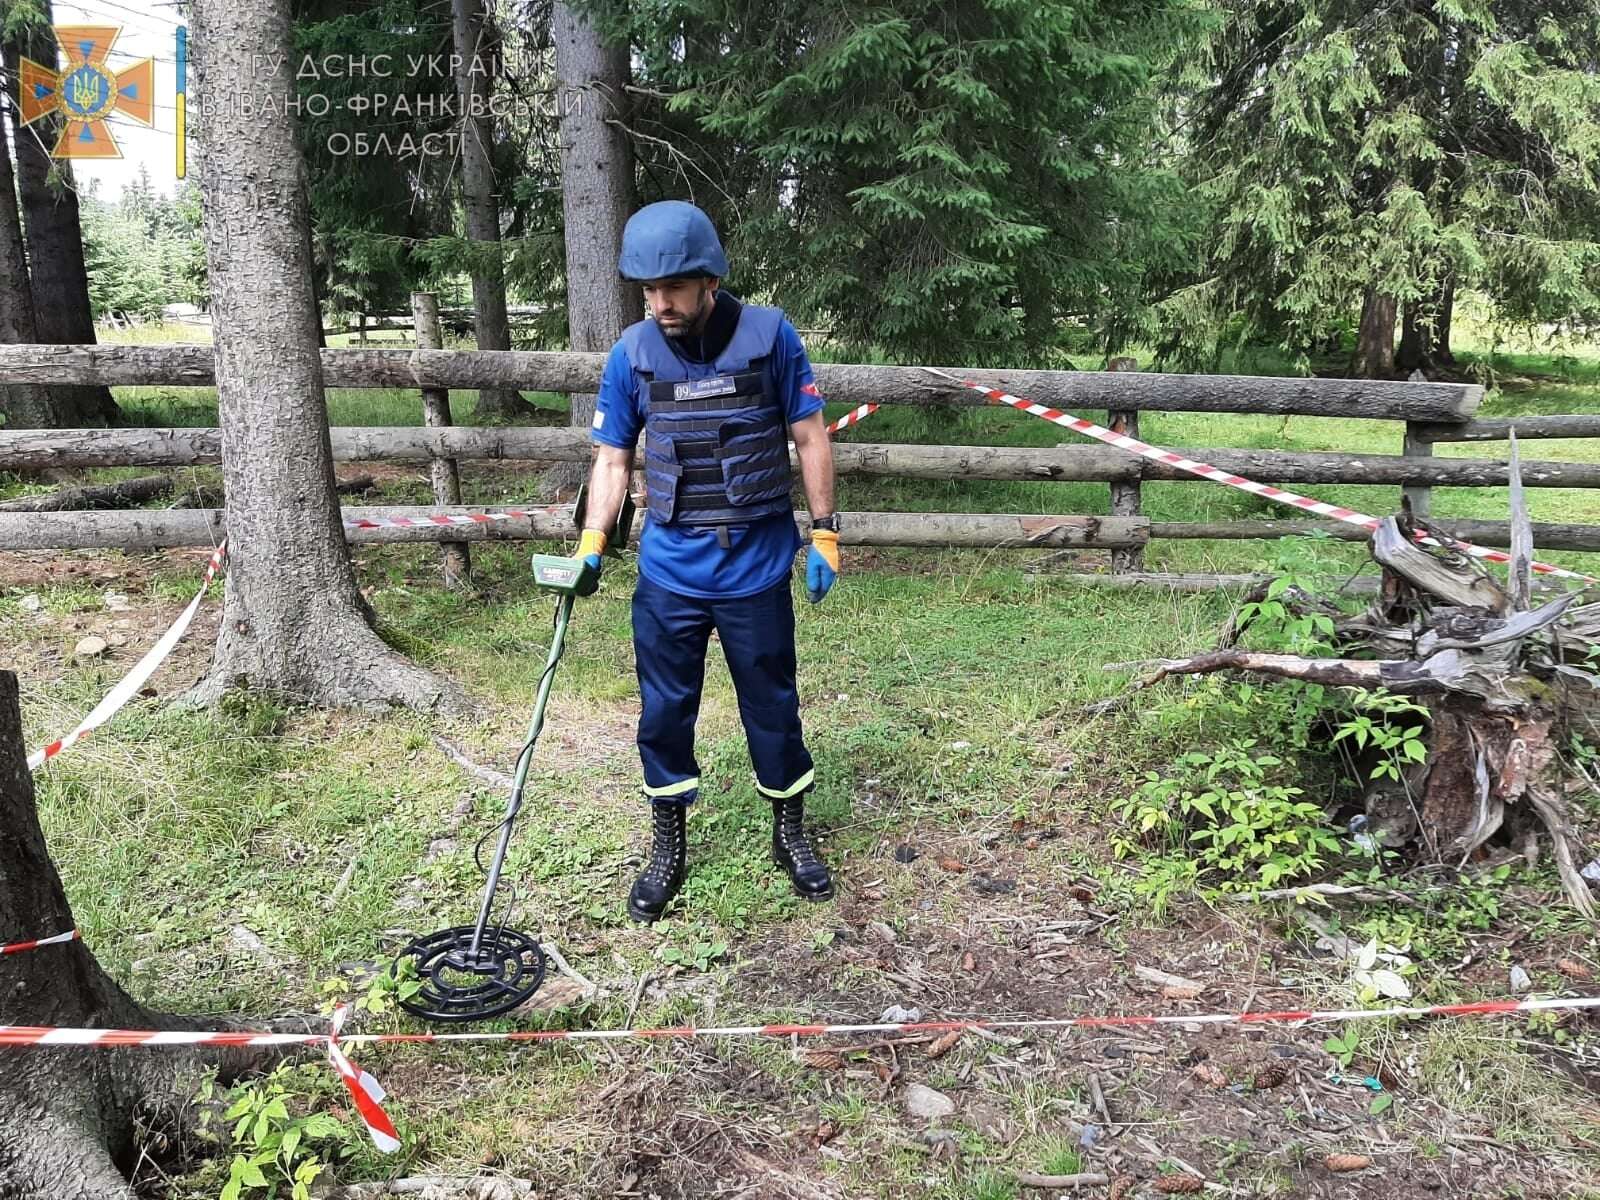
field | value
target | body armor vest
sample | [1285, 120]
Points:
[716, 449]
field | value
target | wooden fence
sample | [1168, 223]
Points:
[1429, 412]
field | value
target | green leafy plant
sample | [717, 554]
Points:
[699, 955]
[280, 1144]
[1343, 1048]
[1376, 720]
[1225, 811]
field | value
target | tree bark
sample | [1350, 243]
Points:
[475, 45]
[597, 194]
[294, 621]
[1441, 325]
[1374, 357]
[1416, 339]
[55, 240]
[22, 405]
[844, 383]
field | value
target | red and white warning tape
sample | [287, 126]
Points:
[135, 679]
[365, 1091]
[485, 518]
[853, 416]
[56, 940]
[34, 1035]
[1206, 471]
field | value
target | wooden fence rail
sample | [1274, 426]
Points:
[149, 529]
[847, 383]
[37, 449]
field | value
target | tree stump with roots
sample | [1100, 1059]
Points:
[1505, 685]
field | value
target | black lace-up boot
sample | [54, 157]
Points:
[792, 851]
[663, 874]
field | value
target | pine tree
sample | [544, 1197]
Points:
[929, 179]
[1381, 158]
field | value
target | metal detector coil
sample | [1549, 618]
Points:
[473, 972]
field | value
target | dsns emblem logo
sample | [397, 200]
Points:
[86, 92]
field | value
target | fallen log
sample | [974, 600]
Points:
[848, 383]
[147, 529]
[129, 493]
[1546, 535]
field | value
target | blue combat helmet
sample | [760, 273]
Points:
[671, 238]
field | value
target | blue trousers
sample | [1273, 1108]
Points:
[670, 635]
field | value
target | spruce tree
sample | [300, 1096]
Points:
[1379, 159]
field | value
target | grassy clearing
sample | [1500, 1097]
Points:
[243, 860]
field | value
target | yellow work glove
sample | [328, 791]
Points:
[822, 564]
[590, 548]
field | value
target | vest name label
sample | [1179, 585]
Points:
[702, 389]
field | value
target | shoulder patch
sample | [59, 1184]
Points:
[599, 420]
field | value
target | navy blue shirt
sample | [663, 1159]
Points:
[682, 558]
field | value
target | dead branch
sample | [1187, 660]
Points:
[130, 493]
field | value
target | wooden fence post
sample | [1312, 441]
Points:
[435, 413]
[1125, 497]
[1417, 445]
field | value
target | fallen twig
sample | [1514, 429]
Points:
[488, 774]
[472, 1187]
[554, 955]
[1028, 1179]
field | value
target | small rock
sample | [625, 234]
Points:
[30, 603]
[928, 1104]
[960, 745]
[115, 601]
[247, 941]
[895, 1015]
[89, 647]
[882, 932]
[989, 885]
[904, 853]
[1519, 980]
[1591, 871]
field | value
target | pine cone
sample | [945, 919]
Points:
[1120, 1187]
[1347, 1162]
[1177, 1185]
[1270, 1076]
[1573, 969]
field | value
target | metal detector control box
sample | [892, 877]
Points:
[556, 574]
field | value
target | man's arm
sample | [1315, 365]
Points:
[816, 463]
[608, 486]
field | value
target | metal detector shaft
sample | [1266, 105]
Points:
[563, 615]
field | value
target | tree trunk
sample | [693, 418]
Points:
[1441, 328]
[597, 195]
[22, 405]
[293, 622]
[1416, 338]
[55, 241]
[475, 46]
[1374, 357]
[67, 1116]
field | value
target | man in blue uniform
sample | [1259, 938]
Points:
[718, 388]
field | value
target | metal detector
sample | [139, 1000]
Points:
[472, 972]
